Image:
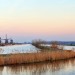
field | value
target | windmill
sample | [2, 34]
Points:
[6, 40]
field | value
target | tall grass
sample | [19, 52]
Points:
[35, 57]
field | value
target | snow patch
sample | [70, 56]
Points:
[25, 48]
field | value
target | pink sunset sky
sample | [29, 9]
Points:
[25, 20]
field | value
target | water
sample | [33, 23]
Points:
[65, 67]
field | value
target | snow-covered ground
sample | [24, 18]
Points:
[25, 48]
[60, 46]
[69, 47]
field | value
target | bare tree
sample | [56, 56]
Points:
[54, 45]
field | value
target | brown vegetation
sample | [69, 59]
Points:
[37, 43]
[54, 45]
[35, 57]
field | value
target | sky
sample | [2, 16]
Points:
[26, 20]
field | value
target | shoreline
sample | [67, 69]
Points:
[27, 58]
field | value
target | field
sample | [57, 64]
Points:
[24, 58]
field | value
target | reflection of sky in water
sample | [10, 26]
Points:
[65, 67]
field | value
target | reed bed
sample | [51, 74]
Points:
[13, 59]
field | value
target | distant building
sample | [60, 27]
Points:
[0, 40]
[11, 41]
[6, 41]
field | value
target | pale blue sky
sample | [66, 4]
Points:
[34, 19]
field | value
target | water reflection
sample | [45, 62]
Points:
[66, 67]
[1, 70]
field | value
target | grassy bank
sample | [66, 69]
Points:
[35, 57]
